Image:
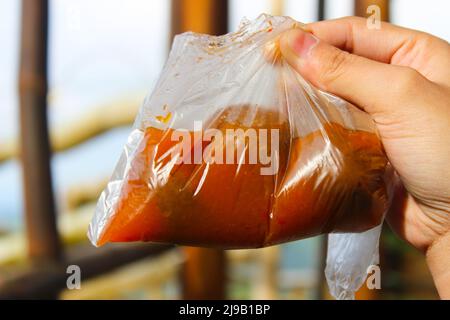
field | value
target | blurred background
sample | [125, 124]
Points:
[74, 73]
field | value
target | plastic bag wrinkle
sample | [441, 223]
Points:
[331, 164]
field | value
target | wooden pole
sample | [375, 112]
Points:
[202, 16]
[321, 10]
[266, 276]
[204, 271]
[277, 7]
[203, 274]
[321, 291]
[43, 240]
[362, 5]
[45, 282]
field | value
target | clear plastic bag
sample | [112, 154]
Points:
[234, 149]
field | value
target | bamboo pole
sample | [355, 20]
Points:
[148, 275]
[320, 291]
[321, 10]
[321, 287]
[362, 5]
[277, 7]
[99, 119]
[204, 271]
[266, 278]
[44, 282]
[42, 236]
[203, 274]
[72, 226]
[202, 16]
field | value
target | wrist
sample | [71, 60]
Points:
[438, 260]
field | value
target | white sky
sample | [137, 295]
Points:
[102, 49]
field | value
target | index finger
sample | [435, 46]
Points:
[353, 35]
[390, 44]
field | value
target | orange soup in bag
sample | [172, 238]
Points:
[294, 187]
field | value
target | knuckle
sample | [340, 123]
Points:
[334, 67]
[408, 81]
[426, 40]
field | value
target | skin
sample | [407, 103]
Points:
[401, 77]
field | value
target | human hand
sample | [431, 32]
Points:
[401, 78]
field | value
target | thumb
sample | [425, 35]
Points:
[378, 88]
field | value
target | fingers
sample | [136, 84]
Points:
[391, 44]
[352, 35]
[376, 87]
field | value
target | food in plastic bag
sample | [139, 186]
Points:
[234, 149]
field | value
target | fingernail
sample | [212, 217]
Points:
[301, 43]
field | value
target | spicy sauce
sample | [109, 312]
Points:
[328, 180]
